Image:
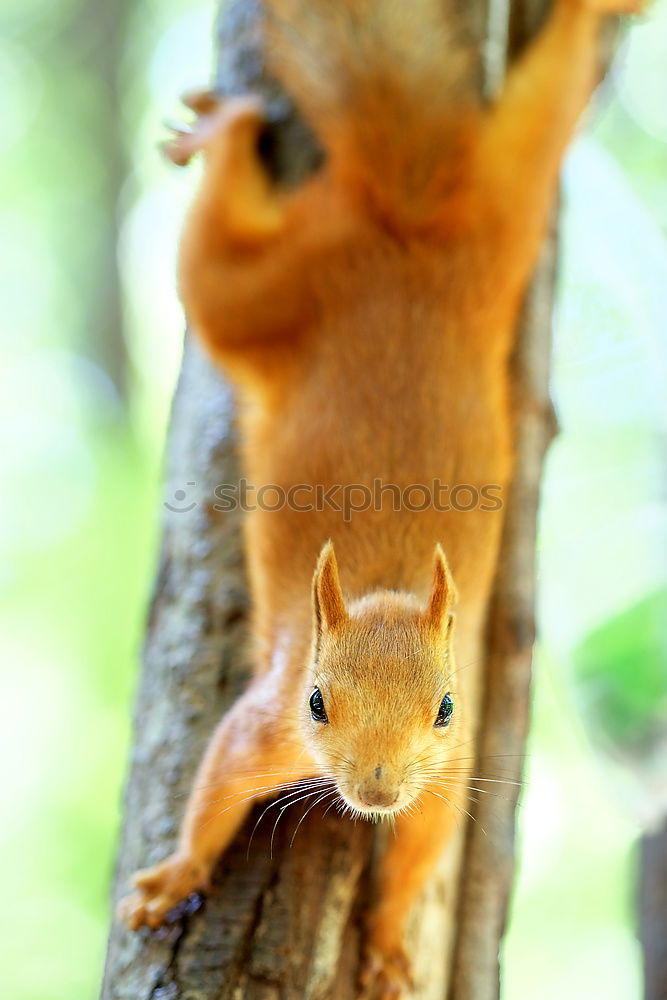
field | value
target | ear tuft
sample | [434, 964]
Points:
[328, 602]
[443, 592]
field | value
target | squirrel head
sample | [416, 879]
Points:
[381, 718]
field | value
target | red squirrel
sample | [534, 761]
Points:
[366, 319]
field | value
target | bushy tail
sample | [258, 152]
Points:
[383, 83]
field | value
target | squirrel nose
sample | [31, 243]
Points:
[377, 796]
[374, 792]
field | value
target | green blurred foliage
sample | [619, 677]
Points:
[83, 414]
[621, 672]
[92, 332]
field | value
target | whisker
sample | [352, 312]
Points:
[469, 788]
[456, 806]
[321, 798]
[470, 663]
[281, 812]
[283, 799]
[230, 775]
[330, 806]
[260, 789]
[243, 797]
[473, 777]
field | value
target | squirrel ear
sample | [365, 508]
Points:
[328, 600]
[443, 592]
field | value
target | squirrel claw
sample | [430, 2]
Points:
[182, 145]
[216, 118]
[180, 128]
[177, 150]
[189, 139]
[385, 975]
[136, 912]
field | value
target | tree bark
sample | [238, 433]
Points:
[283, 922]
[653, 912]
[488, 866]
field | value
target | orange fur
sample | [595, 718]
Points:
[366, 318]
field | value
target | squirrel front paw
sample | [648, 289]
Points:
[385, 974]
[159, 890]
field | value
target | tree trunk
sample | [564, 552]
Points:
[488, 866]
[653, 912]
[283, 920]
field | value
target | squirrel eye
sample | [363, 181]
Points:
[316, 703]
[445, 712]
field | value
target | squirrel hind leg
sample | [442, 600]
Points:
[246, 203]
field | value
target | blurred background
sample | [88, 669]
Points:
[92, 337]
